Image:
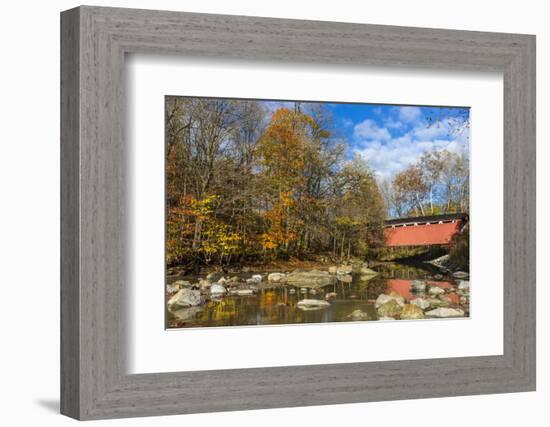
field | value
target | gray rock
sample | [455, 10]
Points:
[418, 285]
[292, 291]
[185, 298]
[421, 303]
[443, 312]
[436, 290]
[257, 278]
[313, 278]
[276, 277]
[171, 289]
[312, 304]
[217, 289]
[383, 299]
[461, 275]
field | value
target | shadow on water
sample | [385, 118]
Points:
[279, 305]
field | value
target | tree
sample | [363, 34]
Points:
[410, 189]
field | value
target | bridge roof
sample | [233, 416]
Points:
[426, 219]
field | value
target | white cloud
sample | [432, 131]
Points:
[409, 114]
[388, 156]
[368, 130]
[347, 122]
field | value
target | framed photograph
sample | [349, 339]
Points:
[262, 213]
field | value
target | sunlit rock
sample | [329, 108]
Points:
[390, 308]
[313, 278]
[436, 290]
[276, 277]
[217, 289]
[411, 312]
[383, 298]
[421, 303]
[418, 286]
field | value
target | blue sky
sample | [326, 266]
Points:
[393, 137]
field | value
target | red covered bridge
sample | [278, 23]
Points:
[424, 230]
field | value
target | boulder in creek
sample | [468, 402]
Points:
[390, 308]
[461, 275]
[312, 304]
[217, 289]
[464, 285]
[332, 269]
[171, 289]
[418, 286]
[411, 312]
[444, 312]
[292, 291]
[436, 290]
[185, 298]
[421, 303]
[383, 298]
[358, 315]
[257, 278]
[344, 269]
[276, 277]
[310, 279]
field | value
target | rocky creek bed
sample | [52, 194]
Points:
[326, 293]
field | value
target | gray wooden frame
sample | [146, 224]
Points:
[94, 41]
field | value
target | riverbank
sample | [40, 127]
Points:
[323, 292]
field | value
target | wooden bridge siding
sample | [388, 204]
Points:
[422, 234]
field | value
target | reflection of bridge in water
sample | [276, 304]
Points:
[424, 230]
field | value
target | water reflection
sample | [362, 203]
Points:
[349, 300]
